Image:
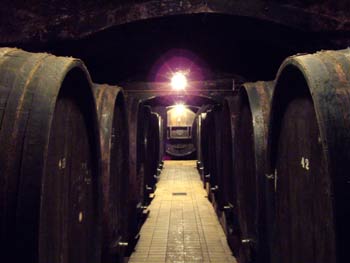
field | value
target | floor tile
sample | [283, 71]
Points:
[182, 226]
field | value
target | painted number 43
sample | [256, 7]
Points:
[305, 163]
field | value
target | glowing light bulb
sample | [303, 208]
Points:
[179, 81]
[180, 109]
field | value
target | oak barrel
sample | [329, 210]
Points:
[156, 127]
[309, 159]
[227, 184]
[151, 148]
[137, 183]
[196, 134]
[49, 160]
[212, 159]
[205, 137]
[250, 119]
[114, 139]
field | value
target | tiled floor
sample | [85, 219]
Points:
[182, 225]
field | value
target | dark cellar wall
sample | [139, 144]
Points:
[250, 46]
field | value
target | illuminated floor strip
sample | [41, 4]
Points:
[182, 225]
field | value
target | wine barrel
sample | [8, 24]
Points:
[196, 134]
[226, 182]
[213, 125]
[4, 90]
[151, 150]
[137, 193]
[114, 141]
[250, 122]
[49, 160]
[309, 158]
[157, 134]
[161, 141]
[204, 145]
[181, 150]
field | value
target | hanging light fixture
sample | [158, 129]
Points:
[179, 81]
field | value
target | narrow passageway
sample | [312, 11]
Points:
[182, 225]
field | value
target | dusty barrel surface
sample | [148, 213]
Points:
[309, 158]
[49, 160]
[114, 139]
[250, 118]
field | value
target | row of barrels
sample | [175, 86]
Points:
[275, 159]
[68, 190]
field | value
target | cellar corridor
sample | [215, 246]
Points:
[182, 225]
[175, 131]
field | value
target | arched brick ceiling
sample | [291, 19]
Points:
[42, 21]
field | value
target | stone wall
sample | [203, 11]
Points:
[43, 21]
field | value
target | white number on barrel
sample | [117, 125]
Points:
[305, 163]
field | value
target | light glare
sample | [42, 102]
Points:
[180, 109]
[179, 81]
